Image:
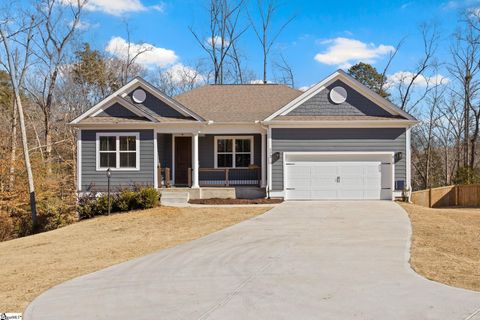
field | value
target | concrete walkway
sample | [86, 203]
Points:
[301, 260]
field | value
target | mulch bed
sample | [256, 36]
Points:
[235, 201]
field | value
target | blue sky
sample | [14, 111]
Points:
[337, 33]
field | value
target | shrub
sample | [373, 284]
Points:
[126, 200]
[148, 198]
[92, 204]
[6, 226]
[53, 213]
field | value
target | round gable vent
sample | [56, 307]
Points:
[338, 95]
[139, 96]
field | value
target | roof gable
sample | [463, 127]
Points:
[155, 105]
[122, 97]
[356, 104]
[361, 101]
[118, 111]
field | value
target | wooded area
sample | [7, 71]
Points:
[49, 75]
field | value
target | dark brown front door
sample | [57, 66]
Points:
[183, 159]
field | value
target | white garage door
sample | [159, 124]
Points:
[326, 180]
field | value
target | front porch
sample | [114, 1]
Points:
[227, 161]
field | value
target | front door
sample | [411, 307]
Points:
[183, 159]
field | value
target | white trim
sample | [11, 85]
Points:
[155, 160]
[342, 124]
[145, 85]
[104, 101]
[269, 161]
[263, 154]
[233, 152]
[392, 153]
[171, 102]
[79, 160]
[173, 160]
[340, 74]
[117, 135]
[195, 166]
[126, 105]
[408, 159]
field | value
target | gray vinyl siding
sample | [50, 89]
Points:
[156, 105]
[93, 180]
[164, 142]
[355, 105]
[336, 139]
[119, 111]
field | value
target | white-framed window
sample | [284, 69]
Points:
[118, 151]
[233, 152]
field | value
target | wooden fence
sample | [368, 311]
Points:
[458, 195]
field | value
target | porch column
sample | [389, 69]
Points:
[195, 160]
[263, 183]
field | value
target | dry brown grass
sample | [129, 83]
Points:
[446, 244]
[33, 264]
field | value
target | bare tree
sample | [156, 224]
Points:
[286, 72]
[179, 78]
[12, 67]
[55, 30]
[465, 69]
[427, 62]
[224, 31]
[265, 35]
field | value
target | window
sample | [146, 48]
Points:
[118, 151]
[233, 152]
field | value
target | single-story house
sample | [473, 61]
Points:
[337, 140]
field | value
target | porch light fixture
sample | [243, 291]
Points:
[398, 156]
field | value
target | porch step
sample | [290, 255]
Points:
[174, 198]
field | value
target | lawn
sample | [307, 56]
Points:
[33, 264]
[446, 244]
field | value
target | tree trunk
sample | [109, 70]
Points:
[23, 130]
[13, 148]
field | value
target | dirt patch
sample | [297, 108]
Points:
[235, 201]
[446, 244]
[33, 264]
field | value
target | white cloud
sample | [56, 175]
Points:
[344, 52]
[180, 72]
[305, 88]
[118, 7]
[458, 4]
[150, 56]
[259, 81]
[217, 41]
[422, 81]
[85, 25]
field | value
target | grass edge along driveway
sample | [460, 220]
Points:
[33, 264]
[446, 244]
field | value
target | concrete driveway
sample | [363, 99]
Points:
[301, 260]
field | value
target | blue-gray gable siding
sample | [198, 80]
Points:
[93, 180]
[119, 111]
[336, 139]
[156, 105]
[355, 105]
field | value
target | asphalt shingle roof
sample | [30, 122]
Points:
[237, 103]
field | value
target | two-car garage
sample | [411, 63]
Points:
[338, 175]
